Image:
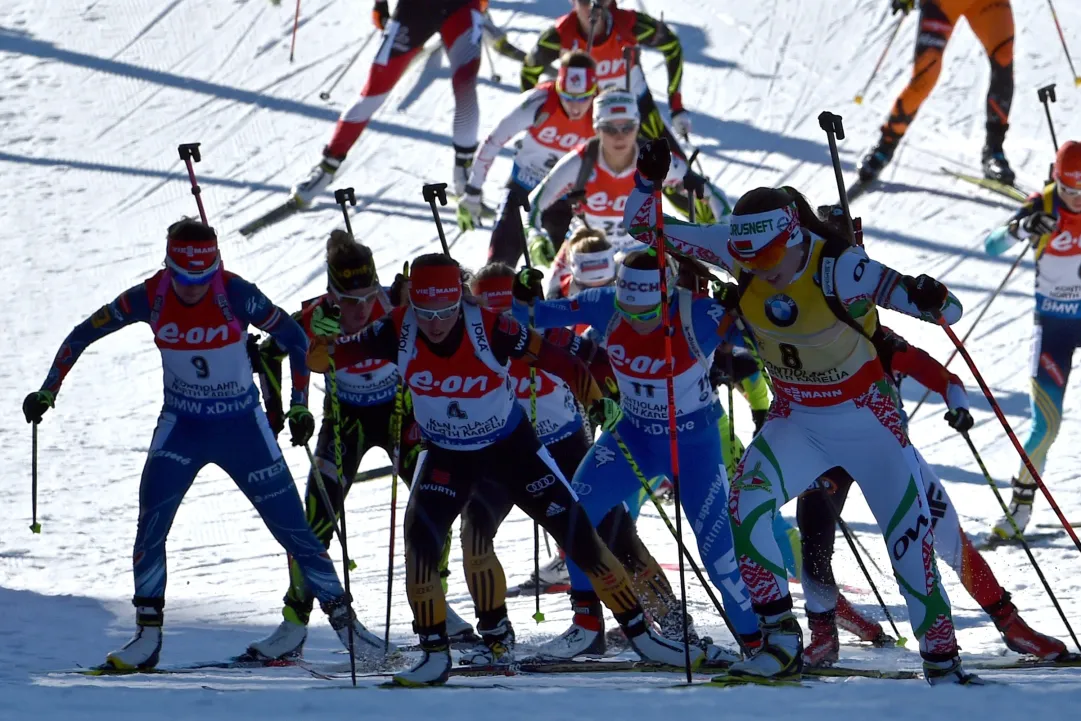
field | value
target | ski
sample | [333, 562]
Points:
[857, 189]
[992, 541]
[276, 215]
[237, 662]
[995, 186]
[1068, 660]
[539, 666]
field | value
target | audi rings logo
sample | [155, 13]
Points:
[541, 483]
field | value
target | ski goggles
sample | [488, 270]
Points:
[641, 316]
[1066, 191]
[447, 313]
[576, 85]
[618, 128]
[348, 299]
[759, 241]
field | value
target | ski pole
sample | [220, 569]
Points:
[325, 95]
[396, 429]
[595, 9]
[341, 197]
[189, 153]
[293, 44]
[647, 489]
[496, 77]
[881, 59]
[1047, 96]
[1065, 48]
[901, 640]
[1009, 431]
[432, 191]
[979, 317]
[35, 527]
[336, 414]
[662, 268]
[835, 131]
[1019, 535]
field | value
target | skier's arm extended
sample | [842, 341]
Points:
[254, 308]
[543, 54]
[377, 341]
[558, 182]
[520, 118]
[860, 280]
[131, 306]
[511, 339]
[652, 33]
[918, 364]
[1024, 225]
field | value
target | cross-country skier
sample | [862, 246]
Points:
[551, 119]
[818, 527]
[613, 30]
[460, 25]
[199, 314]
[1051, 222]
[992, 23]
[597, 176]
[810, 299]
[455, 356]
[627, 318]
[366, 394]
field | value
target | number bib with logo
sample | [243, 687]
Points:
[369, 382]
[813, 357]
[611, 67]
[605, 198]
[557, 411]
[464, 401]
[203, 349]
[551, 137]
[1058, 268]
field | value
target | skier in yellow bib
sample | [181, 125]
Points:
[811, 300]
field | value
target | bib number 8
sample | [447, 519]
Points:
[790, 356]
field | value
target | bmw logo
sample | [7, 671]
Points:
[781, 310]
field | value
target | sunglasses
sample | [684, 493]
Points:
[1066, 191]
[583, 98]
[768, 257]
[621, 129]
[645, 315]
[438, 313]
[365, 299]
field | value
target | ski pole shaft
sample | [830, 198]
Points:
[1062, 39]
[496, 77]
[673, 437]
[647, 489]
[35, 527]
[293, 44]
[1046, 95]
[1009, 431]
[881, 59]
[835, 131]
[336, 414]
[325, 95]
[971, 328]
[396, 430]
[431, 192]
[595, 9]
[1019, 535]
[341, 197]
[189, 153]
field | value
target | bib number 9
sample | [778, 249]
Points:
[790, 356]
[202, 368]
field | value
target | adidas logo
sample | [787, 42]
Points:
[554, 509]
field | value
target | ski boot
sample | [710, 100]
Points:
[496, 647]
[586, 634]
[825, 647]
[651, 646]
[433, 669]
[878, 157]
[781, 656]
[458, 629]
[940, 673]
[553, 578]
[143, 650]
[995, 165]
[463, 164]
[1019, 636]
[1020, 511]
[320, 177]
[858, 625]
[285, 643]
[366, 645]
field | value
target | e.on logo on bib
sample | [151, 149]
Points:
[1065, 243]
[550, 136]
[170, 333]
[611, 68]
[642, 364]
[600, 202]
[455, 385]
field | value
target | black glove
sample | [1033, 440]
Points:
[694, 184]
[1039, 224]
[926, 293]
[527, 285]
[301, 424]
[398, 287]
[654, 159]
[902, 6]
[759, 419]
[726, 295]
[960, 420]
[255, 356]
[380, 14]
[35, 404]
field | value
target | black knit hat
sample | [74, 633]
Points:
[350, 265]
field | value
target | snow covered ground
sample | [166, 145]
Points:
[95, 97]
